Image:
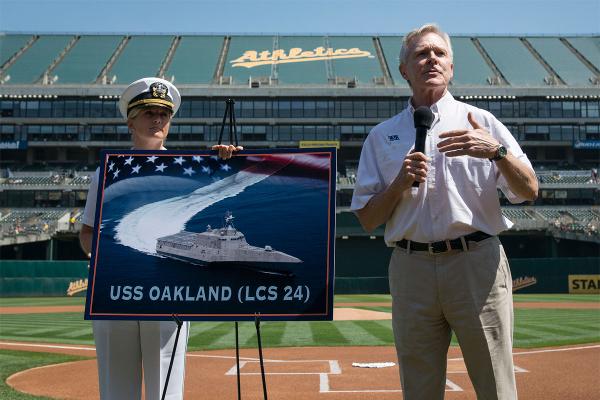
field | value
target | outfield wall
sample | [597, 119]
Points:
[367, 273]
[40, 278]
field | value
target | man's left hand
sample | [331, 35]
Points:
[476, 142]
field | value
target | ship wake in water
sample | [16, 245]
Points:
[141, 228]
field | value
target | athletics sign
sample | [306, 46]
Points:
[190, 234]
[253, 58]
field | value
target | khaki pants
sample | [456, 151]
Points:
[468, 292]
[122, 347]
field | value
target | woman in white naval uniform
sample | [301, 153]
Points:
[126, 348]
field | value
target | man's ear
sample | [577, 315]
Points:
[402, 71]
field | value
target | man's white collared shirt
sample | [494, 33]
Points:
[459, 196]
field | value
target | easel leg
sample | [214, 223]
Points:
[237, 361]
[260, 355]
[179, 323]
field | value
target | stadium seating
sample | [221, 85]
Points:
[571, 70]
[142, 56]
[517, 64]
[304, 72]
[201, 52]
[469, 67]
[30, 67]
[35, 180]
[364, 69]
[85, 60]
[589, 47]
[11, 44]
[237, 47]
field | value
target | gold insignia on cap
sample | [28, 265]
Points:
[159, 90]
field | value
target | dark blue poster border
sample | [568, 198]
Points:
[186, 233]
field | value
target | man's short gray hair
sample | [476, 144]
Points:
[427, 28]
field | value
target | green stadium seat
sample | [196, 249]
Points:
[515, 62]
[563, 61]
[32, 64]
[86, 59]
[11, 44]
[470, 69]
[195, 60]
[141, 57]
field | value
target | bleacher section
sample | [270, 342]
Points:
[363, 69]
[142, 56]
[517, 64]
[296, 73]
[569, 68]
[470, 69]
[35, 180]
[391, 50]
[32, 64]
[523, 62]
[11, 44]
[588, 47]
[565, 178]
[86, 59]
[201, 52]
[237, 48]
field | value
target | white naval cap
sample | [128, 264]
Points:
[149, 92]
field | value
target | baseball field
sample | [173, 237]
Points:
[46, 349]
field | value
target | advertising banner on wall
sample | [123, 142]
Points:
[190, 234]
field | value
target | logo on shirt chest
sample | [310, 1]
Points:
[393, 138]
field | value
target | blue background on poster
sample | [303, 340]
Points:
[286, 202]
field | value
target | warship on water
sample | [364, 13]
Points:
[221, 245]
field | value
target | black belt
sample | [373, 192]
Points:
[443, 245]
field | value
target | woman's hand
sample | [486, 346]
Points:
[226, 151]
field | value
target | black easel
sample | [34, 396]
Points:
[229, 109]
[179, 323]
[260, 357]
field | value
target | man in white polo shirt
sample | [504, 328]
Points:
[448, 271]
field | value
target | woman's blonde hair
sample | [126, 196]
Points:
[427, 28]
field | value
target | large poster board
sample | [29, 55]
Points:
[187, 233]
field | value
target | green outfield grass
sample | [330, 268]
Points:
[533, 327]
[15, 361]
[354, 298]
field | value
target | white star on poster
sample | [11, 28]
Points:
[160, 167]
[135, 169]
[188, 171]
[225, 167]
[179, 160]
[128, 160]
[151, 159]
[197, 158]
[206, 170]
[116, 173]
[111, 166]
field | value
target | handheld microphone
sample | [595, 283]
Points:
[423, 118]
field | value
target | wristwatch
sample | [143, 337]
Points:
[500, 154]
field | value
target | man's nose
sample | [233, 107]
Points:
[432, 57]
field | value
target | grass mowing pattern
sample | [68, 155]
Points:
[533, 328]
[15, 361]
[41, 301]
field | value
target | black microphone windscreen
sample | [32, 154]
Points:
[423, 117]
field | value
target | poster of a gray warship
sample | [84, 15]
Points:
[225, 245]
[188, 233]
